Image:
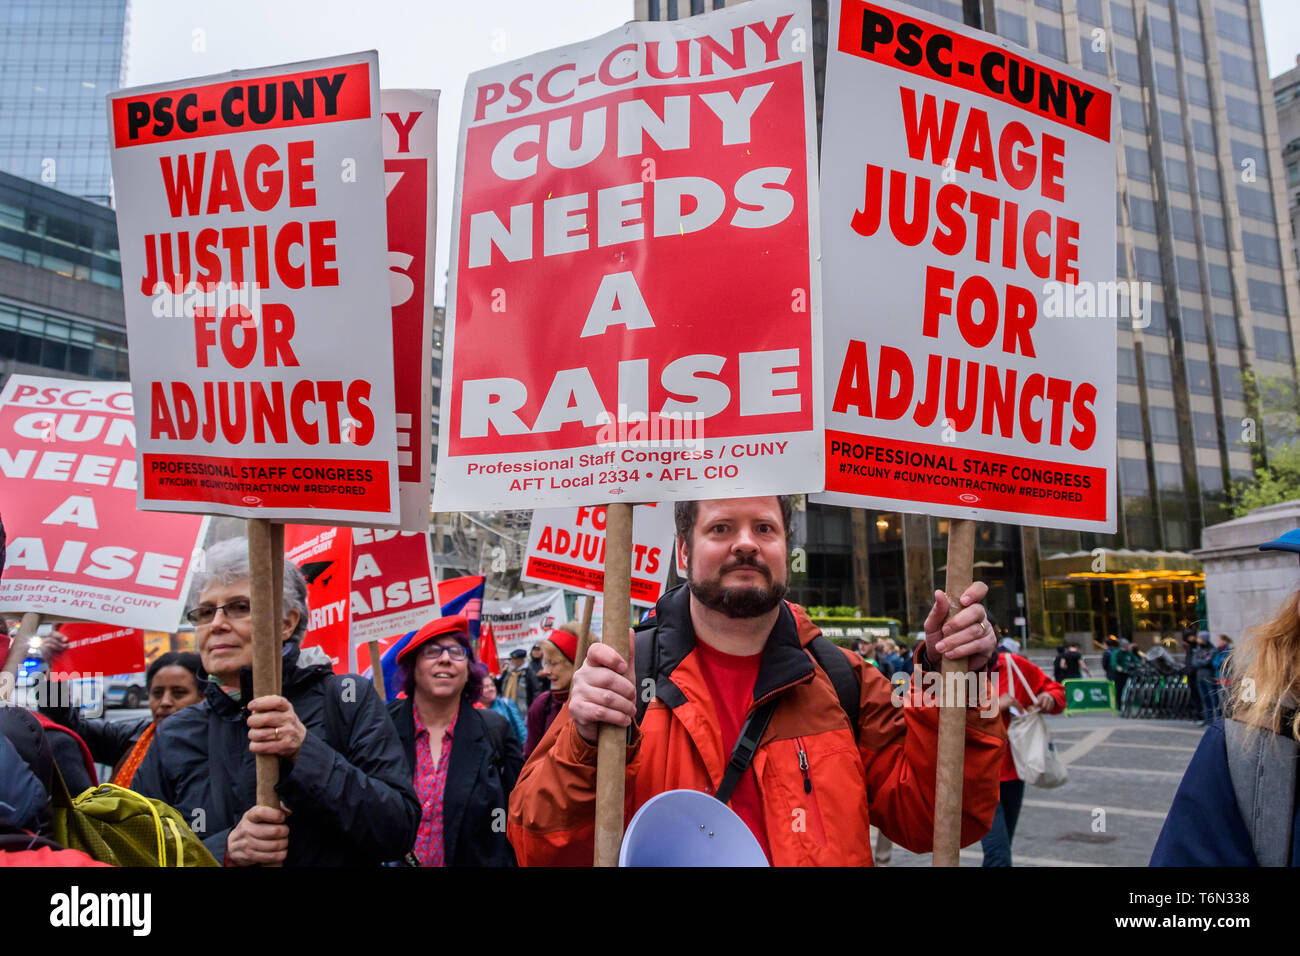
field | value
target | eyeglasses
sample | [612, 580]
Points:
[431, 652]
[235, 610]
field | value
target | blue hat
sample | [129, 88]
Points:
[1287, 542]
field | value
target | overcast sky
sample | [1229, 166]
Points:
[432, 45]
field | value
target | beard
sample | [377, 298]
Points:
[736, 602]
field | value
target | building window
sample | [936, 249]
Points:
[1272, 345]
[1013, 27]
[1203, 136]
[1189, 275]
[1093, 60]
[1162, 35]
[1121, 19]
[1142, 213]
[1243, 114]
[1131, 113]
[1193, 47]
[1128, 420]
[1177, 170]
[1133, 478]
[1216, 236]
[1158, 371]
[1198, 90]
[1147, 264]
[1164, 424]
[1255, 203]
[1167, 80]
[1126, 367]
[1255, 153]
[1208, 181]
[1232, 27]
[1139, 166]
[1225, 331]
[1261, 250]
[1220, 281]
[1126, 67]
[1090, 12]
[1238, 71]
[1198, 378]
[1051, 41]
[1184, 223]
[1266, 296]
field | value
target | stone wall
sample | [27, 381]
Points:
[1243, 585]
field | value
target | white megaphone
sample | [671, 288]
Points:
[689, 828]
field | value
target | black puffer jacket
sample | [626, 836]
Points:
[352, 799]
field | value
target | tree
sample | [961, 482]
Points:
[1277, 481]
[1273, 484]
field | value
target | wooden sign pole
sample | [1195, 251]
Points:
[262, 577]
[611, 754]
[17, 651]
[584, 638]
[952, 712]
[377, 669]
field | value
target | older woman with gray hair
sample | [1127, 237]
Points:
[346, 794]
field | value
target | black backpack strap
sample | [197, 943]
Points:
[647, 662]
[746, 745]
[831, 659]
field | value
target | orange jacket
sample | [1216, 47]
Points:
[885, 775]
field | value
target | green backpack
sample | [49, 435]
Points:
[115, 825]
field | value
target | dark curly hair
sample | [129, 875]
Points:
[473, 683]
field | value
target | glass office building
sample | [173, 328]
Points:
[58, 60]
[61, 310]
[1202, 215]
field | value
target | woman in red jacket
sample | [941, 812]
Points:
[1042, 694]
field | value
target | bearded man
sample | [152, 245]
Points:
[734, 692]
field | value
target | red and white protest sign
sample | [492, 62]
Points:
[251, 221]
[524, 621]
[324, 555]
[393, 583]
[363, 584]
[566, 547]
[77, 546]
[411, 180]
[633, 308]
[969, 267]
[100, 649]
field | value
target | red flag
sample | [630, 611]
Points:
[487, 648]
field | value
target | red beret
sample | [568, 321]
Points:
[438, 627]
[566, 642]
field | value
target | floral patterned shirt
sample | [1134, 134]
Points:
[430, 785]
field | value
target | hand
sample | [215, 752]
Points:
[262, 836]
[1006, 702]
[967, 635]
[53, 646]
[1045, 702]
[273, 728]
[602, 691]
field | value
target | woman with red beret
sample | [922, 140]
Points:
[464, 761]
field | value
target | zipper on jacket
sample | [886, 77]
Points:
[803, 765]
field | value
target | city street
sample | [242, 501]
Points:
[1123, 776]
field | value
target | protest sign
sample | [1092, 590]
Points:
[77, 546]
[393, 583]
[969, 267]
[252, 229]
[102, 649]
[633, 308]
[411, 180]
[522, 622]
[566, 547]
[324, 555]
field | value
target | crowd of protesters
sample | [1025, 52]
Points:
[465, 770]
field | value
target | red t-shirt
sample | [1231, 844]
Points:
[731, 684]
